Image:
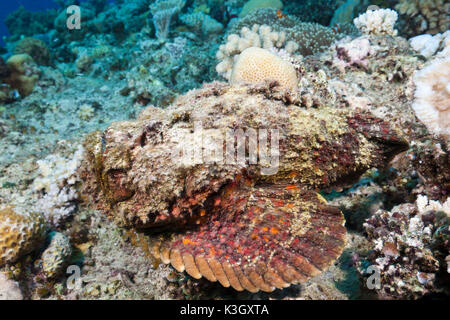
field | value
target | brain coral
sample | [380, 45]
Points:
[432, 96]
[20, 233]
[253, 5]
[256, 65]
[257, 36]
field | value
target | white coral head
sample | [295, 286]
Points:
[432, 96]
[377, 22]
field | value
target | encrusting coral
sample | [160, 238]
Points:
[249, 225]
[20, 233]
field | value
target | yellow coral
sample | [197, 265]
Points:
[256, 65]
[253, 5]
[19, 234]
[20, 78]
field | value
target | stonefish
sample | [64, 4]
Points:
[233, 222]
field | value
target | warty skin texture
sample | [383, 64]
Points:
[231, 223]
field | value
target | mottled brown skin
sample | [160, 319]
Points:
[228, 223]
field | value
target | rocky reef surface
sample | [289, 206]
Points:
[94, 206]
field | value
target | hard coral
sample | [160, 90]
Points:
[424, 16]
[310, 38]
[249, 225]
[24, 73]
[377, 22]
[20, 233]
[35, 48]
[253, 5]
[432, 96]
[256, 65]
[256, 37]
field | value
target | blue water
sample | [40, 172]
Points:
[8, 6]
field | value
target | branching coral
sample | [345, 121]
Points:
[163, 12]
[424, 16]
[377, 22]
[311, 38]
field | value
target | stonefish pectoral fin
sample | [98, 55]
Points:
[259, 238]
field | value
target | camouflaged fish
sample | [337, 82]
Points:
[230, 222]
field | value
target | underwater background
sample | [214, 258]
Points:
[96, 101]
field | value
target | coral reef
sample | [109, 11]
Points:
[428, 45]
[311, 38]
[202, 23]
[407, 244]
[20, 233]
[36, 49]
[345, 12]
[423, 16]
[354, 53]
[253, 5]
[319, 11]
[258, 223]
[27, 23]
